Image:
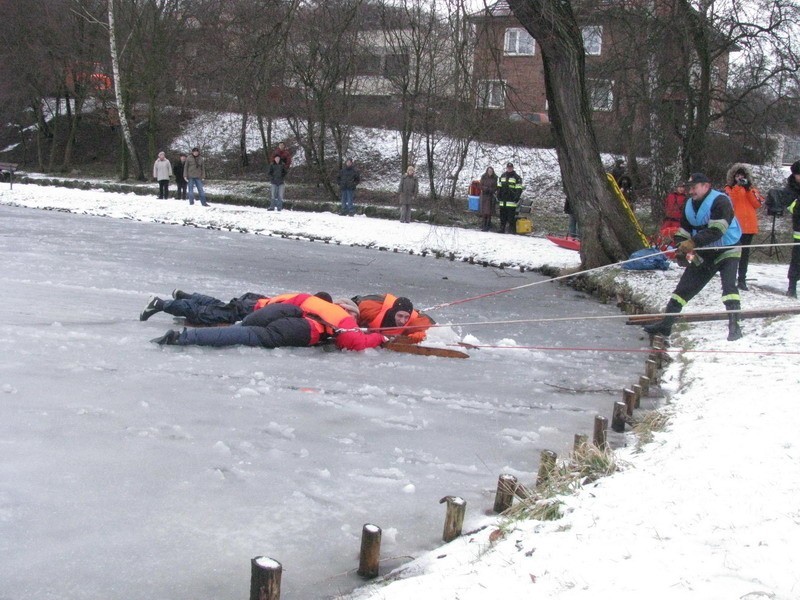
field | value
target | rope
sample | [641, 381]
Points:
[641, 350]
[568, 275]
[576, 318]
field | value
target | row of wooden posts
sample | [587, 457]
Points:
[265, 580]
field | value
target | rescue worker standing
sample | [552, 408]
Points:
[509, 190]
[793, 189]
[708, 222]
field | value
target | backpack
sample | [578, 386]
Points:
[650, 259]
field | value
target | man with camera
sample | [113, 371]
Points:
[746, 201]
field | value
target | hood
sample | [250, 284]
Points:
[729, 180]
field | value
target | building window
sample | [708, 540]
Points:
[491, 94]
[519, 42]
[592, 39]
[396, 66]
[601, 94]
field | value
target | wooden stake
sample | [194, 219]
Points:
[644, 382]
[629, 398]
[547, 464]
[651, 370]
[370, 556]
[580, 441]
[637, 391]
[618, 417]
[600, 437]
[506, 486]
[454, 517]
[265, 578]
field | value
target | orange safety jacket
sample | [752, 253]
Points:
[372, 311]
[330, 320]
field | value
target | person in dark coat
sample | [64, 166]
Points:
[348, 179]
[488, 192]
[793, 189]
[202, 310]
[277, 178]
[180, 180]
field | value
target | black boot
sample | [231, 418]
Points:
[742, 285]
[734, 331]
[662, 327]
[154, 305]
[168, 339]
[792, 291]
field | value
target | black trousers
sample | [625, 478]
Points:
[273, 326]
[744, 261]
[794, 263]
[200, 309]
[163, 188]
[508, 216]
[695, 278]
[181, 193]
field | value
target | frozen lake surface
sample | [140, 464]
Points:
[130, 470]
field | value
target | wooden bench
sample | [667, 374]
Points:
[9, 168]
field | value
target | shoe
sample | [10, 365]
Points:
[742, 285]
[179, 294]
[792, 293]
[155, 305]
[168, 339]
[206, 204]
[734, 331]
[658, 328]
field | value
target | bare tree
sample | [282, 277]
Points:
[608, 234]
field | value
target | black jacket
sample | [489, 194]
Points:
[348, 178]
[277, 173]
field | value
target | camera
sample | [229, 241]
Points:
[743, 181]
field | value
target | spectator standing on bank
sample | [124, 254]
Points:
[284, 154]
[348, 179]
[277, 177]
[746, 201]
[488, 191]
[162, 171]
[793, 191]
[572, 230]
[195, 172]
[407, 194]
[180, 180]
[509, 190]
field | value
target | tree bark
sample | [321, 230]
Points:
[123, 113]
[608, 234]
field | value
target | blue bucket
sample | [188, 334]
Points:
[474, 203]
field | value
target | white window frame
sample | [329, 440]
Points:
[487, 95]
[596, 86]
[515, 42]
[592, 39]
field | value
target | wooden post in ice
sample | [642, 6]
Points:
[644, 382]
[619, 416]
[600, 436]
[506, 487]
[637, 390]
[370, 556]
[629, 398]
[265, 578]
[651, 370]
[454, 517]
[580, 442]
[547, 464]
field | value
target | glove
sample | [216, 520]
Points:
[681, 260]
[684, 248]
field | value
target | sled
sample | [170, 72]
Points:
[570, 243]
[424, 350]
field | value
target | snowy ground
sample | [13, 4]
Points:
[709, 509]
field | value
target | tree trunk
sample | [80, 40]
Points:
[608, 234]
[244, 159]
[123, 113]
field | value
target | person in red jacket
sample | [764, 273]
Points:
[289, 320]
[746, 201]
[392, 316]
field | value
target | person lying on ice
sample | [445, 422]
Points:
[199, 309]
[392, 316]
[296, 320]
